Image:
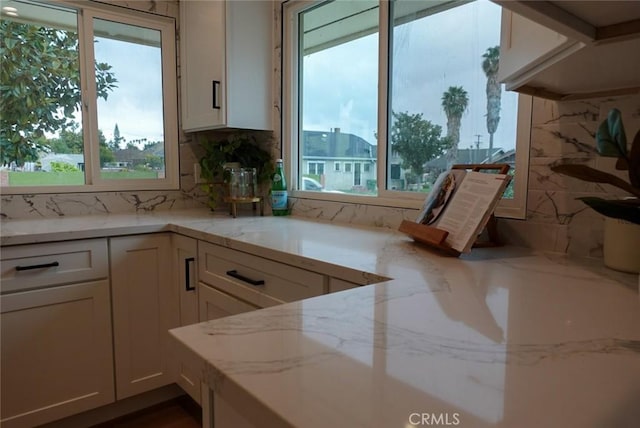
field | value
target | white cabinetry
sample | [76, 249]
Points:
[215, 304]
[336, 284]
[566, 50]
[144, 309]
[225, 64]
[527, 47]
[185, 252]
[56, 332]
[256, 280]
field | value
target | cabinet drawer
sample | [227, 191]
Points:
[222, 267]
[336, 285]
[215, 304]
[40, 265]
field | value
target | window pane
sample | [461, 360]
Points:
[338, 94]
[41, 141]
[446, 106]
[130, 120]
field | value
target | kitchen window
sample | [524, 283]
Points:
[383, 87]
[94, 107]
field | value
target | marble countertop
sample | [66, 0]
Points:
[499, 337]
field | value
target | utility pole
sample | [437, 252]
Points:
[475, 155]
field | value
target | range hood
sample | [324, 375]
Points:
[595, 49]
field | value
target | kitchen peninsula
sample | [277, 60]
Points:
[505, 337]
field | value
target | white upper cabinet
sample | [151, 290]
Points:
[566, 50]
[225, 64]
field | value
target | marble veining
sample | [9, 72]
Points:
[494, 336]
[502, 336]
[561, 131]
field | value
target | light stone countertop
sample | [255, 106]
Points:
[500, 337]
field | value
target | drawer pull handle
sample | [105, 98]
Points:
[187, 274]
[235, 274]
[42, 266]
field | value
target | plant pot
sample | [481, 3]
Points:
[621, 245]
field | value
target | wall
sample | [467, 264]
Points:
[555, 220]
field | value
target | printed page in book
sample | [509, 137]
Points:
[469, 209]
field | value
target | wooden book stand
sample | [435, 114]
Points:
[435, 238]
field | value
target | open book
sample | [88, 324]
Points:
[461, 203]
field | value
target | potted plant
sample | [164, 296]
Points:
[622, 215]
[238, 148]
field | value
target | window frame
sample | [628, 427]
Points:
[166, 25]
[291, 107]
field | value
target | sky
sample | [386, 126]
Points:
[136, 104]
[340, 91]
[429, 56]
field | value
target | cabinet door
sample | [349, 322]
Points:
[225, 64]
[185, 250]
[202, 52]
[527, 47]
[145, 307]
[215, 304]
[56, 350]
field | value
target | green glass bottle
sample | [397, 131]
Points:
[279, 192]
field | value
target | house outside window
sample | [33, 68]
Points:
[336, 166]
[402, 98]
[105, 91]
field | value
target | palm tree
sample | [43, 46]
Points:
[490, 66]
[454, 103]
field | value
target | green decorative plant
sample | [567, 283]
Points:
[242, 148]
[611, 141]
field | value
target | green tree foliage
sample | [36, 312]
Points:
[117, 139]
[416, 141]
[39, 87]
[69, 141]
[454, 102]
[490, 66]
[106, 153]
[63, 167]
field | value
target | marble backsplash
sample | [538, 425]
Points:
[555, 220]
[563, 132]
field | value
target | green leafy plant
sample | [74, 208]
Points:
[63, 167]
[611, 141]
[238, 147]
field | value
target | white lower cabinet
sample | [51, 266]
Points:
[144, 309]
[56, 350]
[185, 268]
[336, 284]
[258, 281]
[215, 304]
